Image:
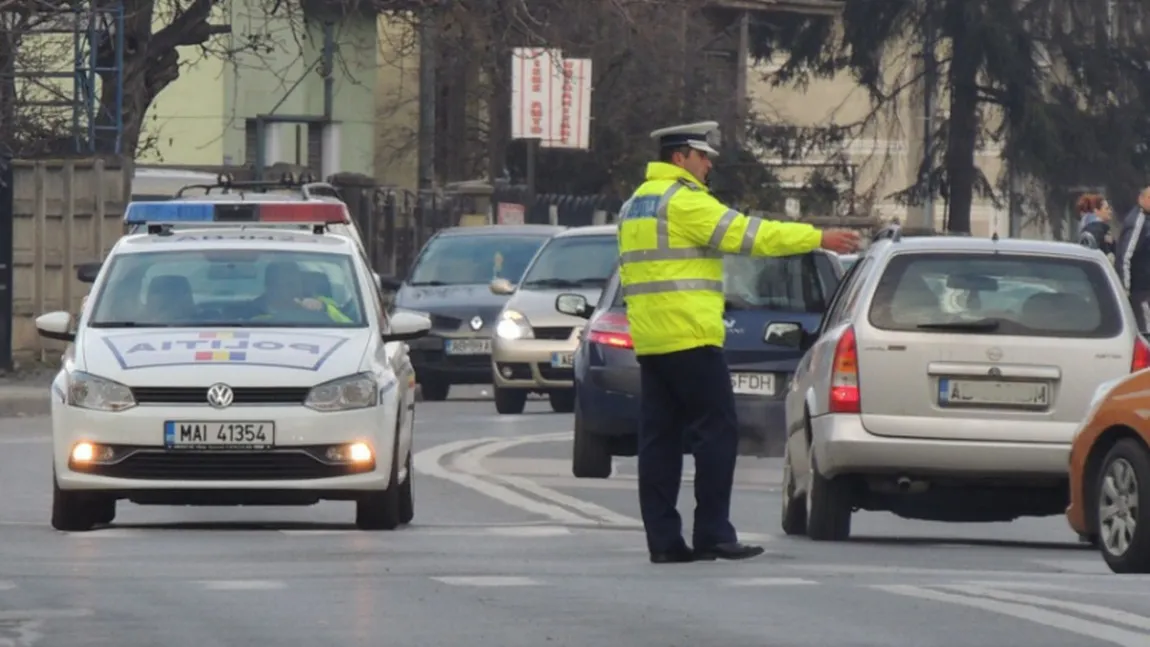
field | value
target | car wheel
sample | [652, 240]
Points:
[562, 401]
[1123, 524]
[407, 494]
[381, 510]
[434, 390]
[104, 510]
[590, 454]
[828, 505]
[510, 401]
[794, 514]
[71, 511]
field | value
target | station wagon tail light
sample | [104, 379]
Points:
[844, 396]
[610, 329]
[1141, 355]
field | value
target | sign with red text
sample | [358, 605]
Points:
[551, 98]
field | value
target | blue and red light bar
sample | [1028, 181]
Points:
[175, 211]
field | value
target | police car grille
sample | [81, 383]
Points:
[556, 332]
[222, 466]
[199, 395]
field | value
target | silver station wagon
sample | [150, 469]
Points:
[946, 381]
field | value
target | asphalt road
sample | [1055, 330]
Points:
[507, 551]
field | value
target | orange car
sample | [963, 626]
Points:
[1110, 473]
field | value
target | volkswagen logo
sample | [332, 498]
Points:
[220, 396]
[476, 323]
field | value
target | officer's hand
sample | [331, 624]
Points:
[310, 304]
[841, 241]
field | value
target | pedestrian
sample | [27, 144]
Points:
[672, 237]
[1132, 258]
[1094, 215]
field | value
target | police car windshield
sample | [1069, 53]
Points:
[786, 283]
[573, 261]
[230, 288]
[469, 260]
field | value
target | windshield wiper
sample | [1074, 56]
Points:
[415, 284]
[553, 283]
[984, 325]
[135, 324]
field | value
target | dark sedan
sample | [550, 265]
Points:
[449, 280]
[769, 302]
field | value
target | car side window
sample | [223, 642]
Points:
[844, 295]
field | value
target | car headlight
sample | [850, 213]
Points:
[353, 392]
[513, 324]
[88, 391]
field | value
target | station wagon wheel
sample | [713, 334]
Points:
[794, 513]
[1123, 523]
[829, 505]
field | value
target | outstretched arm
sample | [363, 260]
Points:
[705, 221]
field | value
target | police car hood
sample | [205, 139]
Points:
[201, 357]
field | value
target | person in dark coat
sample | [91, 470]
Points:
[1132, 258]
[1095, 214]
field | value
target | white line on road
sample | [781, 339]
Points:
[1037, 615]
[487, 580]
[471, 462]
[242, 585]
[1116, 616]
[768, 581]
[428, 462]
[7, 586]
[43, 614]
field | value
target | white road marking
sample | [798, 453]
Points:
[1037, 615]
[1116, 616]
[43, 614]
[487, 580]
[471, 462]
[7, 586]
[108, 533]
[428, 462]
[319, 532]
[768, 581]
[1020, 586]
[242, 585]
[1084, 566]
[957, 574]
[529, 531]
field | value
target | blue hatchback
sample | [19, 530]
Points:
[768, 300]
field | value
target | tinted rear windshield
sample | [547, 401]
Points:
[800, 283]
[999, 294]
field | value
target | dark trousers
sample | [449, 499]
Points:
[687, 398]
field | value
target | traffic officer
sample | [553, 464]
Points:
[672, 237]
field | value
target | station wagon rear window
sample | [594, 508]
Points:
[1003, 294]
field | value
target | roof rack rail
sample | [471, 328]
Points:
[305, 182]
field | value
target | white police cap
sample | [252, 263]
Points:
[702, 136]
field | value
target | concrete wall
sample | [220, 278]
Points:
[65, 212]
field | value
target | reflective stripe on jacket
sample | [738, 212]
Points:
[333, 311]
[672, 237]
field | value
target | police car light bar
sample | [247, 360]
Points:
[243, 212]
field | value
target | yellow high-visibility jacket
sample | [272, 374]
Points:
[672, 237]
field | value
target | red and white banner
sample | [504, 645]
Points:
[551, 98]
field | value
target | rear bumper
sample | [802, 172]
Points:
[842, 446]
[608, 411]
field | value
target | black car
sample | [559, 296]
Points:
[449, 280]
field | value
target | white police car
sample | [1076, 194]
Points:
[233, 365]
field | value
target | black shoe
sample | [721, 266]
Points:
[733, 550]
[680, 555]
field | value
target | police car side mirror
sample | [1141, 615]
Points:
[56, 325]
[573, 304]
[501, 287]
[87, 272]
[405, 326]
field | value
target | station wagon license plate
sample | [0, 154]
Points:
[467, 347]
[993, 393]
[193, 434]
[753, 383]
[562, 360]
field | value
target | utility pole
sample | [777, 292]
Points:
[428, 60]
[929, 82]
